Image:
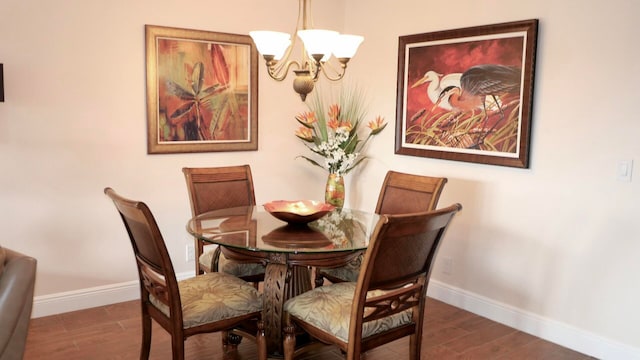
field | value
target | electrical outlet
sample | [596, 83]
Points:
[624, 170]
[190, 253]
[447, 266]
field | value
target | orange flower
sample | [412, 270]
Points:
[307, 118]
[334, 112]
[305, 134]
[346, 124]
[333, 124]
[377, 125]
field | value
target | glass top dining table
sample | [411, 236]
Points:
[251, 234]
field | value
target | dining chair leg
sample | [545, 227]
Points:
[289, 343]
[177, 346]
[414, 347]
[225, 339]
[146, 335]
[261, 342]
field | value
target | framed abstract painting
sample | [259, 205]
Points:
[467, 94]
[202, 91]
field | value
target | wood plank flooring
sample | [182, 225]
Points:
[114, 332]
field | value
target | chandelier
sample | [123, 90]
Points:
[318, 46]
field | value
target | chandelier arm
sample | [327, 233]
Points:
[339, 74]
[279, 70]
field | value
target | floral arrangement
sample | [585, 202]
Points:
[334, 135]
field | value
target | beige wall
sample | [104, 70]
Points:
[556, 242]
[561, 239]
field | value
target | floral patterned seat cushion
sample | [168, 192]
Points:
[212, 297]
[328, 308]
[348, 272]
[230, 267]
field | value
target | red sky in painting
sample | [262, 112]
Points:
[456, 58]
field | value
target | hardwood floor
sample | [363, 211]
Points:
[114, 332]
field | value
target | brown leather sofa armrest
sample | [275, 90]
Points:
[17, 282]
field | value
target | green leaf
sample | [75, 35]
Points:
[355, 164]
[182, 110]
[211, 90]
[310, 126]
[305, 139]
[197, 77]
[310, 160]
[378, 130]
[179, 91]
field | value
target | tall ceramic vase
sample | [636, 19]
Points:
[334, 192]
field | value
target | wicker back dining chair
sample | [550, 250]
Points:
[408, 193]
[400, 193]
[205, 303]
[215, 188]
[388, 300]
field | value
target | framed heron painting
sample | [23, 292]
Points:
[467, 94]
[202, 91]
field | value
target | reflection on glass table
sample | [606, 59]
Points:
[250, 233]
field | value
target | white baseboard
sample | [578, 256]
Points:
[545, 328]
[91, 297]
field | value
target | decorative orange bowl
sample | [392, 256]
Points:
[298, 211]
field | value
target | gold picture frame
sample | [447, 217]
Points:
[202, 91]
[467, 94]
